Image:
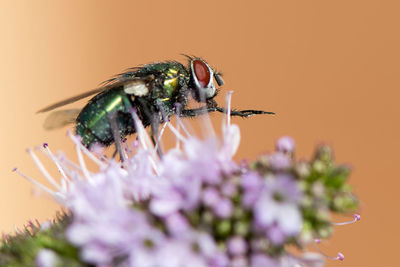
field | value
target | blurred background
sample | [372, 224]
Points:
[329, 69]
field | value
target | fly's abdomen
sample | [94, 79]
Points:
[93, 124]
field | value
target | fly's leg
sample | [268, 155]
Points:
[153, 116]
[154, 133]
[114, 153]
[212, 107]
[196, 111]
[244, 113]
[112, 120]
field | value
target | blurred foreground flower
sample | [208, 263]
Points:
[193, 207]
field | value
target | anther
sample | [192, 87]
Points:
[340, 256]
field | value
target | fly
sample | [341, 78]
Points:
[154, 91]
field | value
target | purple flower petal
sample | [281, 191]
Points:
[262, 260]
[285, 144]
[46, 258]
[237, 246]
[278, 207]
[223, 208]
[210, 196]
[280, 161]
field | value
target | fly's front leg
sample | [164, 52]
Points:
[196, 111]
[212, 107]
[244, 113]
[240, 113]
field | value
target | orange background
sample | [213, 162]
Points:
[329, 69]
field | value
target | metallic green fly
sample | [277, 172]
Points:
[154, 91]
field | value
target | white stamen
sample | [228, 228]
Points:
[178, 143]
[55, 160]
[228, 107]
[78, 150]
[177, 133]
[356, 219]
[85, 150]
[160, 135]
[74, 176]
[208, 129]
[145, 141]
[180, 124]
[70, 167]
[339, 256]
[46, 189]
[43, 170]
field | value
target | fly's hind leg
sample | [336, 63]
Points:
[154, 128]
[112, 120]
[115, 153]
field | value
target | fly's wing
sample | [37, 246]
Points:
[60, 118]
[71, 100]
[116, 81]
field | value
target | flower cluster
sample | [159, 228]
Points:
[195, 206]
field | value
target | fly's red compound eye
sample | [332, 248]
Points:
[202, 72]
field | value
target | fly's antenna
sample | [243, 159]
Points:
[218, 78]
[190, 57]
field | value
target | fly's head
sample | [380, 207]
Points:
[202, 80]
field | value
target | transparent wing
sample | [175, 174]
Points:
[116, 81]
[60, 118]
[71, 100]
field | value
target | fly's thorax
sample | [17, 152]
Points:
[171, 82]
[175, 91]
